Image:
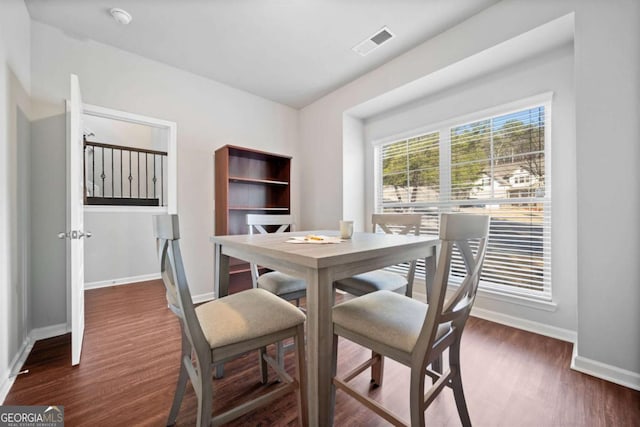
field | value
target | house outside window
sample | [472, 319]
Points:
[496, 165]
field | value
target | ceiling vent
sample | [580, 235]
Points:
[370, 44]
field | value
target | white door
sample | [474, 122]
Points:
[75, 218]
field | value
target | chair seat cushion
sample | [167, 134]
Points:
[385, 317]
[246, 315]
[280, 283]
[372, 281]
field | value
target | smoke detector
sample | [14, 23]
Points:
[121, 16]
[370, 44]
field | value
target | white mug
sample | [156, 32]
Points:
[346, 229]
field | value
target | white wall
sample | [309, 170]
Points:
[607, 133]
[208, 115]
[606, 76]
[118, 132]
[15, 85]
[550, 71]
[122, 247]
[353, 172]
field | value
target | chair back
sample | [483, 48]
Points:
[167, 234]
[257, 223]
[399, 223]
[264, 224]
[469, 233]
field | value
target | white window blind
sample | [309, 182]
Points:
[495, 165]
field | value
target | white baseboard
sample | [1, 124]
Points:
[526, 325]
[603, 371]
[121, 281]
[197, 299]
[515, 322]
[49, 332]
[15, 367]
[18, 362]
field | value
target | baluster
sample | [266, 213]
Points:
[102, 175]
[121, 175]
[138, 172]
[146, 175]
[154, 176]
[130, 177]
[85, 154]
[112, 178]
[93, 171]
[162, 180]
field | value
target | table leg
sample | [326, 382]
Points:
[320, 347]
[221, 286]
[430, 271]
[220, 272]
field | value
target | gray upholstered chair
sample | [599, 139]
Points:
[378, 280]
[417, 334]
[285, 286]
[223, 329]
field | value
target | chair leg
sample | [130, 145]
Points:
[264, 373]
[205, 397]
[456, 384]
[219, 372]
[377, 369]
[334, 369]
[416, 397]
[280, 354]
[182, 380]
[301, 373]
[179, 394]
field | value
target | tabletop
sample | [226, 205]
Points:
[359, 247]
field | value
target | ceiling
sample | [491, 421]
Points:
[290, 51]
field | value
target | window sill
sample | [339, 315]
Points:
[539, 304]
[126, 209]
[535, 303]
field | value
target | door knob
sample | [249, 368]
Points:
[74, 235]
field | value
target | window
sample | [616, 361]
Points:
[495, 165]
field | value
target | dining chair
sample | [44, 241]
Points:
[223, 329]
[283, 285]
[416, 334]
[287, 287]
[377, 280]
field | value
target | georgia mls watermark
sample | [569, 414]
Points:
[31, 416]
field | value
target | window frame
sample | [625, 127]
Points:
[544, 296]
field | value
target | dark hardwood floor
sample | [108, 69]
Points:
[129, 368]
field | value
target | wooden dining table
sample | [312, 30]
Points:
[320, 265]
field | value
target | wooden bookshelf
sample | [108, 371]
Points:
[248, 181]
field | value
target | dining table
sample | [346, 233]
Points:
[320, 264]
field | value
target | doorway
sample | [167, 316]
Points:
[128, 171]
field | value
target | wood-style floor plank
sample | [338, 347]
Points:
[129, 368]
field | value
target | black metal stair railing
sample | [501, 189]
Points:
[124, 176]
